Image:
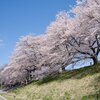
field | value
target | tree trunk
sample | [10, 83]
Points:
[63, 68]
[95, 60]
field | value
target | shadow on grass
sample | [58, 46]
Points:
[95, 96]
[76, 74]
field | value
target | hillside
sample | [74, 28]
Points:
[80, 84]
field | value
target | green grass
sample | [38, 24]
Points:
[75, 74]
[81, 84]
[95, 96]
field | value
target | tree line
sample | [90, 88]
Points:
[74, 36]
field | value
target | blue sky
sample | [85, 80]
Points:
[21, 17]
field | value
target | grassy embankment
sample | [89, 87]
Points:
[81, 84]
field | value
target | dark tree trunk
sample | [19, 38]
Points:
[95, 60]
[63, 68]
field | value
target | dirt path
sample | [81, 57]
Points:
[2, 98]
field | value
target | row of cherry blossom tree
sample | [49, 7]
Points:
[74, 36]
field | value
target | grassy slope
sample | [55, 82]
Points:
[82, 84]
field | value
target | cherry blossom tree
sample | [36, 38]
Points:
[57, 32]
[84, 38]
[23, 61]
[80, 33]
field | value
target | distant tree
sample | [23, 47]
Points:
[1, 69]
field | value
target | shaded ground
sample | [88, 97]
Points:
[74, 74]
